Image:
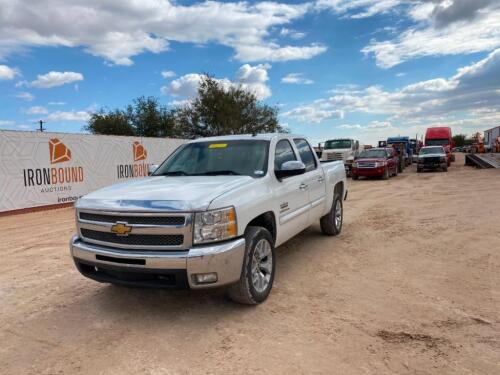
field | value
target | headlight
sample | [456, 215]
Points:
[215, 225]
[380, 164]
[443, 158]
[355, 164]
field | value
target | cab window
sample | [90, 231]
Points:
[284, 152]
[306, 154]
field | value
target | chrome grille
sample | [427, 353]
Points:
[135, 239]
[148, 231]
[152, 220]
[334, 156]
[366, 164]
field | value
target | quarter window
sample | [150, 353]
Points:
[306, 154]
[284, 152]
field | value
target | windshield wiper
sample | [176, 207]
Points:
[219, 173]
[173, 173]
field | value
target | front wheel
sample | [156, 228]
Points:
[355, 177]
[331, 223]
[385, 176]
[259, 265]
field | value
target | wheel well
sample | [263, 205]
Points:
[339, 189]
[265, 220]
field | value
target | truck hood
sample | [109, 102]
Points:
[162, 193]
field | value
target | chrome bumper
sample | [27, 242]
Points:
[225, 259]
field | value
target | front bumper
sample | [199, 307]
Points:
[440, 165]
[160, 268]
[368, 172]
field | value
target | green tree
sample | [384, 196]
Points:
[114, 122]
[459, 140]
[218, 110]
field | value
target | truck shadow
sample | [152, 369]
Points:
[210, 305]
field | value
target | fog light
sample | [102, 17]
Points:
[205, 278]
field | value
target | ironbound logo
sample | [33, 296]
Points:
[139, 153]
[121, 229]
[51, 177]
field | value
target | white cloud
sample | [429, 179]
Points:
[25, 96]
[36, 110]
[186, 85]
[57, 103]
[469, 98]
[7, 73]
[79, 116]
[350, 126]
[167, 74]
[54, 79]
[313, 114]
[250, 78]
[273, 52]
[149, 26]
[6, 123]
[253, 79]
[293, 34]
[296, 78]
[442, 28]
[359, 8]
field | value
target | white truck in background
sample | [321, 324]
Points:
[211, 215]
[344, 149]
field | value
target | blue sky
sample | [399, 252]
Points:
[365, 69]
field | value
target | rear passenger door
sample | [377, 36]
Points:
[291, 194]
[315, 180]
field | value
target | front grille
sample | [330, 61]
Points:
[366, 165]
[151, 220]
[334, 156]
[134, 239]
[432, 160]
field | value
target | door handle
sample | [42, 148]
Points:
[320, 179]
[303, 186]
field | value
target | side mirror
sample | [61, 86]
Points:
[152, 168]
[290, 168]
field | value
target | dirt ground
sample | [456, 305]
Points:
[411, 286]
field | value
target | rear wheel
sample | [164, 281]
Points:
[445, 169]
[259, 265]
[419, 170]
[355, 177]
[331, 223]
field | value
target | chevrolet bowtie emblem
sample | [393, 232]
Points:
[121, 229]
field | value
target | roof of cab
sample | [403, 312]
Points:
[265, 137]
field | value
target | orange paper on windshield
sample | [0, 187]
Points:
[218, 145]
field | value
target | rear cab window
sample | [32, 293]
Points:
[306, 154]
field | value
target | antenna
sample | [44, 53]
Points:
[41, 122]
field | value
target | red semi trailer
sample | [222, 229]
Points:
[441, 136]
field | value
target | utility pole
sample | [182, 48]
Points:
[41, 122]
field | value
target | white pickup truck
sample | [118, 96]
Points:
[211, 215]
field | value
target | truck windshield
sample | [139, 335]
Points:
[436, 142]
[431, 150]
[373, 154]
[227, 157]
[337, 144]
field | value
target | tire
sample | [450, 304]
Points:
[445, 169]
[419, 170]
[253, 289]
[331, 223]
[355, 177]
[385, 176]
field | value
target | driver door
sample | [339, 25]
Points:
[291, 194]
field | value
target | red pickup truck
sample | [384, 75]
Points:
[376, 162]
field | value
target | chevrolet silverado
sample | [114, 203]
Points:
[210, 215]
